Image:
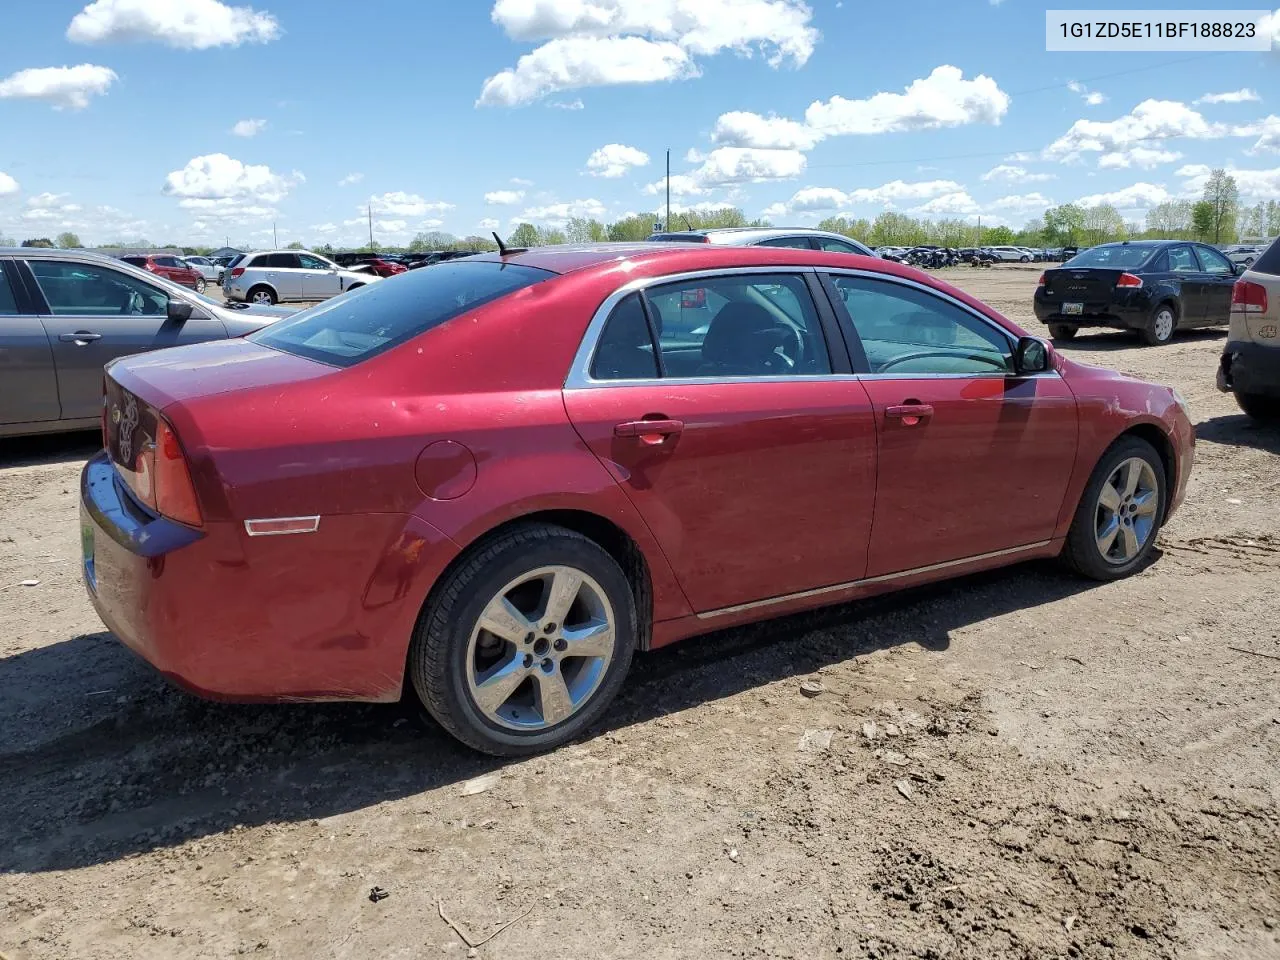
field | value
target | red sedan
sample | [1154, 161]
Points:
[493, 480]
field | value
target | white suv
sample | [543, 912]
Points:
[278, 275]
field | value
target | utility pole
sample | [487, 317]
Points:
[667, 224]
[275, 240]
[370, 228]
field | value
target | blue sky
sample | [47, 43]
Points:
[197, 120]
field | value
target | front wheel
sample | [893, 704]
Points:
[1259, 407]
[200, 285]
[1115, 526]
[525, 644]
[1063, 331]
[1159, 330]
[1024, 260]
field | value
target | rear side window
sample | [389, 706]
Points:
[1269, 262]
[135, 261]
[1182, 260]
[8, 305]
[377, 317]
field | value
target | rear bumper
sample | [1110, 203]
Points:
[1251, 368]
[323, 616]
[1119, 316]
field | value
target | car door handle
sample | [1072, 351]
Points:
[649, 431]
[81, 336]
[910, 414]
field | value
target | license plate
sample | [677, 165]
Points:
[1072, 309]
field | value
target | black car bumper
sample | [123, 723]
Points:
[1250, 368]
[1132, 314]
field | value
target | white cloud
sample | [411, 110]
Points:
[896, 190]
[217, 178]
[1148, 121]
[1020, 203]
[817, 198]
[185, 24]
[1144, 157]
[1008, 173]
[397, 203]
[8, 185]
[488, 223]
[521, 182]
[727, 165]
[249, 128]
[639, 41]
[557, 214]
[1270, 24]
[615, 159]
[64, 87]
[1243, 95]
[942, 99]
[1020, 157]
[1139, 196]
[585, 62]
[1266, 130]
[954, 204]
[503, 197]
[1091, 98]
[1254, 185]
[741, 128]
[350, 178]
[682, 185]
[575, 104]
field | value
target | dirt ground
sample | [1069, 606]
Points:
[1019, 765]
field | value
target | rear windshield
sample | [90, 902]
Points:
[379, 316]
[1119, 256]
[1269, 261]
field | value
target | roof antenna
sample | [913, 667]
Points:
[686, 221]
[503, 249]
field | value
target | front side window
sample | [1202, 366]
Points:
[377, 317]
[906, 331]
[836, 246]
[748, 325]
[1182, 260]
[1214, 262]
[81, 289]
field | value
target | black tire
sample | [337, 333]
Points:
[271, 294]
[1063, 331]
[1259, 407]
[438, 653]
[1024, 259]
[200, 285]
[1081, 552]
[1156, 338]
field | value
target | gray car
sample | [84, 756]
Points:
[64, 314]
[801, 237]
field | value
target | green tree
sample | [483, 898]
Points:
[998, 237]
[474, 242]
[1062, 225]
[69, 241]
[585, 230]
[1271, 225]
[325, 250]
[1171, 219]
[296, 245]
[1102, 223]
[524, 235]
[432, 240]
[633, 228]
[38, 242]
[550, 236]
[1202, 219]
[1223, 197]
[896, 229]
[856, 229]
[1032, 234]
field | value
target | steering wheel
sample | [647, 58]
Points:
[927, 354]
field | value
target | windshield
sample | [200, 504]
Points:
[363, 323]
[1118, 256]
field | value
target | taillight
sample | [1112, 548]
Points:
[1040, 282]
[1129, 280]
[236, 272]
[1248, 297]
[161, 480]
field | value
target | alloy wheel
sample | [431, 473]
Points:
[262, 296]
[540, 648]
[1126, 513]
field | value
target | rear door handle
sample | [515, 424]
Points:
[81, 336]
[649, 431]
[910, 414]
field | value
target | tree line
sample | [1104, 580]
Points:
[1218, 217]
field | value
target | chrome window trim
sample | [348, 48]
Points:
[867, 581]
[579, 376]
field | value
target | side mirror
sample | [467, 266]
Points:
[1031, 355]
[178, 310]
[1238, 268]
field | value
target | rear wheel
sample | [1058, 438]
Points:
[264, 295]
[200, 284]
[1063, 331]
[525, 644]
[1024, 259]
[1259, 407]
[1160, 328]
[1115, 526]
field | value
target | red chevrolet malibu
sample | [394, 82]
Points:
[494, 480]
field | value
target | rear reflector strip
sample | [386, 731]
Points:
[276, 526]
